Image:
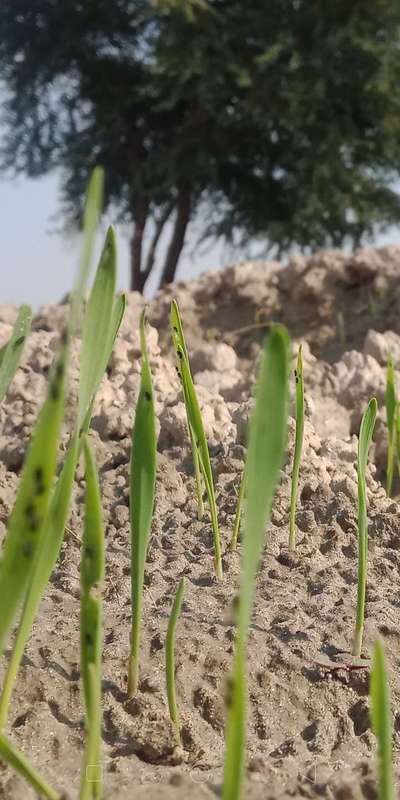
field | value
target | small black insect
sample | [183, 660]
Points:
[179, 354]
[175, 329]
[88, 639]
[19, 341]
[147, 396]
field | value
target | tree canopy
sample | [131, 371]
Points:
[280, 118]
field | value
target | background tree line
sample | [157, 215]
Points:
[278, 121]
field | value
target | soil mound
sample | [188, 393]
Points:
[309, 732]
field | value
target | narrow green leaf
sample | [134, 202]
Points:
[391, 405]
[91, 216]
[11, 353]
[15, 759]
[267, 442]
[142, 490]
[298, 374]
[239, 510]
[97, 326]
[92, 573]
[201, 455]
[178, 338]
[364, 441]
[170, 657]
[26, 523]
[46, 556]
[381, 719]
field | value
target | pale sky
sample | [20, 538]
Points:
[38, 266]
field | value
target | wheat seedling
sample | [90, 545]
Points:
[381, 719]
[201, 455]
[391, 406]
[141, 501]
[92, 573]
[56, 520]
[267, 441]
[10, 354]
[15, 759]
[178, 338]
[364, 441]
[298, 374]
[170, 657]
[239, 511]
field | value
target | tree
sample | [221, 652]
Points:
[281, 119]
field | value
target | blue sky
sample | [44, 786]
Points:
[37, 264]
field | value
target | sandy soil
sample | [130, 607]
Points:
[309, 733]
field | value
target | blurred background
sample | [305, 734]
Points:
[227, 130]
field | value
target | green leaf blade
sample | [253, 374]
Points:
[27, 519]
[298, 446]
[46, 556]
[381, 720]
[170, 656]
[142, 492]
[267, 443]
[99, 325]
[12, 351]
[92, 573]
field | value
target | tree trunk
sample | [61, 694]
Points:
[183, 208]
[160, 225]
[138, 278]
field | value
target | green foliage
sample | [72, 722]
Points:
[15, 759]
[267, 442]
[170, 657]
[141, 500]
[285, 123]
[201, 455]
[103, 316]
[298, 446]
[11, 353]
[26, 523]
[92, 573]
[178, 338]
[364, 441]
[381, 719]
[239, 510]
[391, 407]
[45, 559]
[96, 329]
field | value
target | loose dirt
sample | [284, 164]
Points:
[309, 732]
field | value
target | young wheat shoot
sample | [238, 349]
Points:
[56, 520]
[26, 523]
[364, 441]
[45, 559]
[298, 374]
[178, 338]
[17, 761]
[12, 351]
[141, 501]
[96, 327]
[92, 573]
[239, 511]
[391, 406]
[267, 442]
[381, 719]
[196, 429]
[170, 657]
